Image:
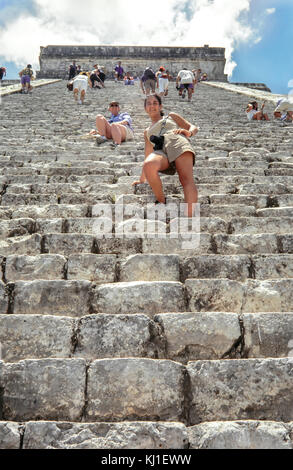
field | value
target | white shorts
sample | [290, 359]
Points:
[129, 133]
[80, 84]
[250, 114]
[163, 84]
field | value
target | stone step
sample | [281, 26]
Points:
[76, 243]
[246, 225]
[25, 245]
[53, 211]
[69, 435]
[227, 212]
[181, 337]
[203, 189]
[54, 389]
[265, 243]
[16, 228]
[258, 201]
[237, 267]
[232, 296]
[188, 244]
[108, 268]
[275, 212]
[192, 244]
[250, 389]
[81, 297]
[29, 268]
[139, 297]
[266, 188]
[250, 434]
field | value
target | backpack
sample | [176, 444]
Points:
[149, 74]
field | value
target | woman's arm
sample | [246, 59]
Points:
[186, 128]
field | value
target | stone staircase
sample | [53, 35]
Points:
[136, 342]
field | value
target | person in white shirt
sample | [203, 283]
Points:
[187, 80]
[253, 113]
[80, 84]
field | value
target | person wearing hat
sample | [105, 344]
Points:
[162, 81]
[26, 75]
[284, 109]
[118, 128]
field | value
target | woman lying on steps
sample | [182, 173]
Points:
[174, 154]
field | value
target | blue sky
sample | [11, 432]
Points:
[257, 34]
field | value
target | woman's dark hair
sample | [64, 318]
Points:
[253, 104]
[158, 98]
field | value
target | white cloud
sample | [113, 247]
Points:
[213, 22]
[257, 40]
[270, 11]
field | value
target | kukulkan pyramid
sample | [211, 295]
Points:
[136, 342]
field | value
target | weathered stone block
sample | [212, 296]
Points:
[150, 268]
[269, 296]
[241, 389]
[275, 212]
[26, 245]
[226, 212]
[100, 336]
[139, 297]
[3, 299]
[240, 435]
[28, 199]
[16, 228]
[35, 337]
[259, 201]
[119, 246]
[184, 244]
[95, 268]
[68, 243]
[52, 389]
[245, 225]
[26, 268]
[216, 266]
[9, 435]
[49, 226]
[135, 389]
[131, 435]
[268, 334]
[246, 243]
[214, 295]
[193, 336]
[273, 267]
[265, 188]
[68, 298]
[50, 211]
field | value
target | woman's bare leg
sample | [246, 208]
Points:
[152, 165]
[82, 95]
[184, 166]
[75, 93]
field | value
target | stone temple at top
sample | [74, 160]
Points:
[55, 60]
